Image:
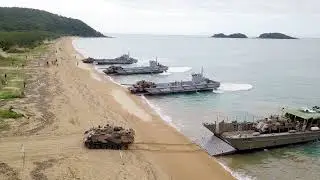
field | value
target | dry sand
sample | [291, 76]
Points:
[67, 99]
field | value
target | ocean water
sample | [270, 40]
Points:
[258, 78]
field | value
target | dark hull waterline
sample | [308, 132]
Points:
[133, 73]
[176, 92]
[245, 144]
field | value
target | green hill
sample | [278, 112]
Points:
[27, 28]
[23, 19]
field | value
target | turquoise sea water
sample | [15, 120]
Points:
[258, 78]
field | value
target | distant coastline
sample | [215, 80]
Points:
[261, 36]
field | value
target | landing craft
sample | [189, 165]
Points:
[124, 59]
[153, 68]
[198, 83]
[295, 126]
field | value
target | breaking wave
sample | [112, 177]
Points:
[225, 87]
[165, 73]
[178, 69]
[158, 110]
[237, 175]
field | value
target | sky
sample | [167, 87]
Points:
[299, 18]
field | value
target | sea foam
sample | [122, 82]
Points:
[158, 110]
[237, 175]
[224, 87]
[178, 69]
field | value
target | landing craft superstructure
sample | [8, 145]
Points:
[295, 126]
[124, 59]
[153, 68]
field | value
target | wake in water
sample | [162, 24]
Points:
[231, 87]
[176, 70]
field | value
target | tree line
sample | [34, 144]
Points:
[25, 27]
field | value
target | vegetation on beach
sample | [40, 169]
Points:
[11, 94]
[13, 80]
[11, 77]
[8, 113]
[11, 61]
[12, 41]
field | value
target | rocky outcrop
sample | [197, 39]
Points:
[275, 36]
[235, 35]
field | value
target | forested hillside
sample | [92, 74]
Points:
[22, 19]
[27, 27]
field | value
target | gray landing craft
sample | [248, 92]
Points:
[124, 59]
[197, 84]
[153, 68]
[295, 126]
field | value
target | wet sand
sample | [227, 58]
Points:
[76, 98]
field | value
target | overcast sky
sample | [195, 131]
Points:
[296, 17]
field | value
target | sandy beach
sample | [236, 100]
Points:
[66, 99]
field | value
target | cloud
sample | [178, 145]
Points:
[295, 17]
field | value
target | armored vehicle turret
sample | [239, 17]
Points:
[108, 137]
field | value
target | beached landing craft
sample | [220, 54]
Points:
[153, 68]
[295, 126]
[124, 59]
[197, 84]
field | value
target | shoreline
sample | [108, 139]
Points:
[63, 100]
[143, 101]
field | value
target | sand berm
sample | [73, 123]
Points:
[75, 98]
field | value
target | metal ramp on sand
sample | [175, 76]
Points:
[215, 146]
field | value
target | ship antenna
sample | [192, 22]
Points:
[202, 70]
[128, 53]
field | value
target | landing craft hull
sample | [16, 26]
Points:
[111, 62]
[134, 72]
[87, 61]
[130, 73]
[178, 92]
[271, 140]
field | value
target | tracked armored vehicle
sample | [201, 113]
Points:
[108, 137]
[153, 68]
[198, 83]
[124, 59]
[295, 126]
